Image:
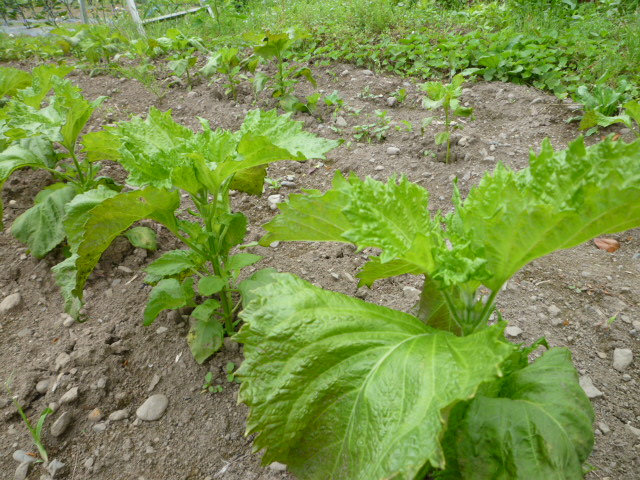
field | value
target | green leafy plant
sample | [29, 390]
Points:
[229, 370]
[163, 159]
[208, 385]
[600, 102]
[400, 95]
[35, 432]
[630, 117]
[227, 62]
[341, 388]
[373, 131]
[445, 96]
[276, 48]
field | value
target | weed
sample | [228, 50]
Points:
[373, 131]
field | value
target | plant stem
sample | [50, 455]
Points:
[78, 169]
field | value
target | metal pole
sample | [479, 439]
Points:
[83, 11]
[131, 5]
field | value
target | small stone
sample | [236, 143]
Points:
[378, 168]
[602, 355]
[626, 377]
[67, 320]
[633, 430]
[411, 293]
[489, 159]
[43, 385]
[367, 73]
[393, 151]
[124, 269]
[278, 467]
[99, 427]
[95, 415]
[604, 428]
[622, 358]
[161, 330]
[391, 101]
[463, 141]
[587, 385]
[553, 310]
[22, 471]
[153, 408]
[61, 424]
[10, 302]
[336, 276]
[88, 463]
[21, 456]
[274, 200]
[119, 415]
[536, 101]
[62, 360]
[25, 332]
[70, 396]
[231, 345]
[344, 73]
[54, 467]
[154, 382]
[341, 122]
[513, 331]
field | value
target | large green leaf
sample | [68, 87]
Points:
[114, 215]
[41, 226]
[43, 78]
[77, 212]
[339, 388]
[540, 427]
[29, 152]
[173, 262]
[563, 199]
[12, 80]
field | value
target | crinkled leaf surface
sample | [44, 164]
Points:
[41, 226]
[339, 388]
[65, 275]
[160, 152]
[173, 263]
[563, 199]
[114, 215]
[540, 427]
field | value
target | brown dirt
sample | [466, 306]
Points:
[117, 363]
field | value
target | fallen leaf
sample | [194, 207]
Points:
[616, 137]
[608, 244]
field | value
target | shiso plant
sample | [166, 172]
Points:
[340, 388]
[167, 162]
[446, 97]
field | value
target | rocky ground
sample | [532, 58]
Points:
[128, 400]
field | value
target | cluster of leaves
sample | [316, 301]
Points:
[446, 97]
[373, 131]
[163, 159]
[630, 117]
[362, 391]
[42, 131]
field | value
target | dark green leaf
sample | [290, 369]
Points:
[168, 294]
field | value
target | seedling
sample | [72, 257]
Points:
[35, 432]
[209, 386]
[229, 370]
[227, 62]
[400, 95]
[446, 97]
[373, 131]
[276, 48]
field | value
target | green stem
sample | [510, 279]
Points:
[446, 127]
[77, 165]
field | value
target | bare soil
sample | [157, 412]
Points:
[116, 363]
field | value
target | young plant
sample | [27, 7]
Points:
[340, 388]
[227, 62]
[446, 97]
[373, 131]
[276, 48]
[630, 117]
[600, 102]
[208, 385]
[165, 159]
[35, 432]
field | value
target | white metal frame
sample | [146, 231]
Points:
[133, 10]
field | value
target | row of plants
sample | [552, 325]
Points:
[337, 387]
